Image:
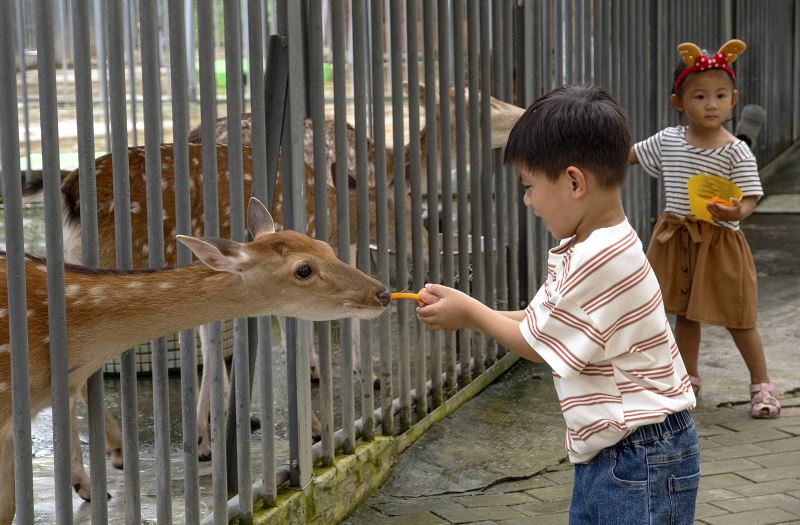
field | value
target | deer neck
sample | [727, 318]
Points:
[107, 313]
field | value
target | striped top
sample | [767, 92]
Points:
[599, 322]
[668, 154]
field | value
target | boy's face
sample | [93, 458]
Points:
[553, 202]
[707, 99]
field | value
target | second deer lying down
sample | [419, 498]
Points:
[109, 311]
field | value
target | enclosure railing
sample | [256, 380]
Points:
[413, 192]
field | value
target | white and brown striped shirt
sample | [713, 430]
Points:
[667, 154]
[599, 322]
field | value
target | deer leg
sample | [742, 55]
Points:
[112, 430]
[7, 502]
[80, 479]
[203, 401]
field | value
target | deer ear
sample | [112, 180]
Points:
[221, 255]
[259, 221]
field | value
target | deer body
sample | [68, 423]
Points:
[108, 311]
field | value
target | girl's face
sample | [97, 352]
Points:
[707, 99]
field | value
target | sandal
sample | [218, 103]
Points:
[697, 385]
[763, 405]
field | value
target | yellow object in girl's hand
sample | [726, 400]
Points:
[704, 188]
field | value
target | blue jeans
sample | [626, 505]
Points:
[648, 478]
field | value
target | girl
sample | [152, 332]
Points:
[705, 269]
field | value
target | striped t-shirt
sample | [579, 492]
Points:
[599, 322]
[668, 154]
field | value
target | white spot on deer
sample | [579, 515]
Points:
[136, 207]
[164, 184]
[145, 249]
[194, 223]
[73, 289]
[135, 284]
[2, 312]
[3, 387]
[46, 340]
[195, 162]
[248, 177]
[5, 348]
[30, 312]
[170, 248]
[166, 286]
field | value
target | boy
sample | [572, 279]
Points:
[598, 320]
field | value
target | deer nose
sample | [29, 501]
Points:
[383, 297]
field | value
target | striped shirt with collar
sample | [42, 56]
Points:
[599, 322]
[669, 155]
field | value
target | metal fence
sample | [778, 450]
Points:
[457, 218]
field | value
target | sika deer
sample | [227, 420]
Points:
[283, 273]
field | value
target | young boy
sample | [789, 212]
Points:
[598, 320]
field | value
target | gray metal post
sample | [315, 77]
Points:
[499, 54]
[417, 278]
[89, 239]
[381, 211]
[488, 225]
[478, 277]
[317, 95]
[360, 77]
[180, 155]
[102, 67]
[462, 182]
[208, 112]
[23, 81]
[343, 214]
[57, 314]
[796, 75]
[399, 178]
[15, 261]
[299, 379]
[151, 92]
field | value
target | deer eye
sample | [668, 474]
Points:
[303, 271]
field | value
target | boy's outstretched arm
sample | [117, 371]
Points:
[449, 309]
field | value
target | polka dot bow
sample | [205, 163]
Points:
[694, 58]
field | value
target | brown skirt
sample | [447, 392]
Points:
[706, 272]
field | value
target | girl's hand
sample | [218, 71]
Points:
[720, 212]
[444, 308]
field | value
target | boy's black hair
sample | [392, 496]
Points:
[579, 126]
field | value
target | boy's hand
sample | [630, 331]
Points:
[444, 308]
[720, 212]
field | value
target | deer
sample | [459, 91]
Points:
[109, 311]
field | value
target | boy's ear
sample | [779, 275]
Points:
[577, 180]
[676, 102]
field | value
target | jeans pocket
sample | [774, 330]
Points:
[683, 496]
[629, 467]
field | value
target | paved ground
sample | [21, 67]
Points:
[500, 459]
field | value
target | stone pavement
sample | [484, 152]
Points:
[500, 458]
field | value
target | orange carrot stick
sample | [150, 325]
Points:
[719, 200]
[406, 295]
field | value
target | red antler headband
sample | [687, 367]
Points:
[694, 58]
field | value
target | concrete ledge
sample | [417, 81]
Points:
[336, 491]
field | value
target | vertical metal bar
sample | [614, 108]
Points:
[382, 215]
[317, 97]
[512, 188]
[18, 443]
[238, 457]
[412, 59]
[488, 225]
[102, 67]
[362, 186]
[122, 234]
[462, 182]
[89, 243]
[343, 214]
[442, 27]
[498, 174]
[300, 395]
[155, 239]
[208, 117]
[180, 155]
[399, 180]
[796, 75]
[57, 315]
[534, 53]
[478, 277]
[129, 51]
